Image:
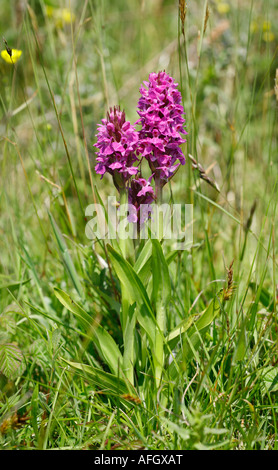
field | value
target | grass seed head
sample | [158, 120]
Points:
[183, 9]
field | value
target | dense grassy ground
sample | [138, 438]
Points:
[221, 390]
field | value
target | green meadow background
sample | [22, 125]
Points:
[78, 59]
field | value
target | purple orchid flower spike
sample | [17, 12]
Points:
[117, 141]
[161, 117]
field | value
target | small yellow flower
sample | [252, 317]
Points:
[266, 26]
[254, 27]
[61, 16]
[66, 15]
[268, 36]
[11, 59]
[49, 11]
[223, 8]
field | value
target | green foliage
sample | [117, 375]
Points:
[11, 361]
[102, 339]
[105, 346]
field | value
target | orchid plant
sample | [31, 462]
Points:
[121, 148]
[153, 348]
[121, 152]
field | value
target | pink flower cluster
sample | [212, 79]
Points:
[117, 141]
[162, 121]
[119, 144]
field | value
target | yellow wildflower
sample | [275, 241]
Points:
[49, 11]
[223, 8]
[268, 36]
[61, 15]
[254, 27]
[11, 59]
[266, 25]
[66, 15]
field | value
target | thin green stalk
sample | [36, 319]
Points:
[127, 316]
[59, 123]
[159, 341]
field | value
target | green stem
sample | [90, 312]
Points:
[158, 189]
[158, 193]
[123, 242]
[159, 341]
[127, 320]
[160, 306]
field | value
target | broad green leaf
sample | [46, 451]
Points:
[210, 312]
[144, 261]
[84, 319]
[161, 292]
[161, 278]
[171, 256]
[270, 378]
[181, 328]
[104, 380]
[104, 342]
[135, 292]
[144, 256]
[113, 304]
[14, 285]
